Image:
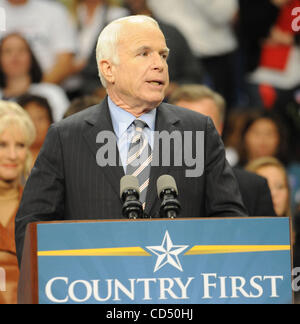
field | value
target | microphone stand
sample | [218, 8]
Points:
[170, 206]
[132, 207]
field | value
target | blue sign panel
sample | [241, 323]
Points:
[166, 262]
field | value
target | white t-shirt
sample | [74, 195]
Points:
[206, 24]
[55, 95]
[89, 32]
[47, 26]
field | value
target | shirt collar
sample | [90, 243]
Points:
[122, 119]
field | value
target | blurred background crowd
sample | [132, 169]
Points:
[247, 52]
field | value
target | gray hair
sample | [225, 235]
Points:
[193, 92]
[107, 46]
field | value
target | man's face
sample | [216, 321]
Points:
[15, 58]
[141, 77]
[205, 106]
[13, 152]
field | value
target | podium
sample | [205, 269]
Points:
[182, 261]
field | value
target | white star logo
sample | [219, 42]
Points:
[167, 253]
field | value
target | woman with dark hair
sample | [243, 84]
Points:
[20, 73]
[263, 135]
[40, 113]
[18, 66]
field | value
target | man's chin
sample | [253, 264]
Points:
[155, 101]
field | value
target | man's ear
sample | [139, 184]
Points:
[106, 68]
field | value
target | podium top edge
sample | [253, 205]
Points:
[153, 219]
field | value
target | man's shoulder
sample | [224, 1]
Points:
[183, 114]
[250, 179]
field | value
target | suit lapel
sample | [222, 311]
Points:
[166, 120]
[100, 121]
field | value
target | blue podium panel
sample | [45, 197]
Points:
[196, 261]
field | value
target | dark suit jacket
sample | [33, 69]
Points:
[255, 193]
[66, 183]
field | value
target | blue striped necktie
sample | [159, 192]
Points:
[140, 158]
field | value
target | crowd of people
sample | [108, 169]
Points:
[236, 61]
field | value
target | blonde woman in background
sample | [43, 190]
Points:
[17, 133]
[274, 171]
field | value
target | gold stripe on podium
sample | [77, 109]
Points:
[126, 251]
[196, 250]
[223, 249]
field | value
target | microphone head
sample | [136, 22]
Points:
[166, 182]
[129, 182]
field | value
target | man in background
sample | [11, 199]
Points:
[254, 189]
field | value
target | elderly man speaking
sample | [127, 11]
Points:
[77, 173]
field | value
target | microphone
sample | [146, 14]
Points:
[167, 192]
[130, 194]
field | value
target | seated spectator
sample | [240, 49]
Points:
[40, 113]
[82, 103]
[202, 100]
[17, 133]
[276, 77]
[208, 28]
[91, 16]
[183, 65]
[263, 134]
[233, 127]
[270, 48]
[254, 189]
[48, 26]
[20, 73]
[274, 171]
